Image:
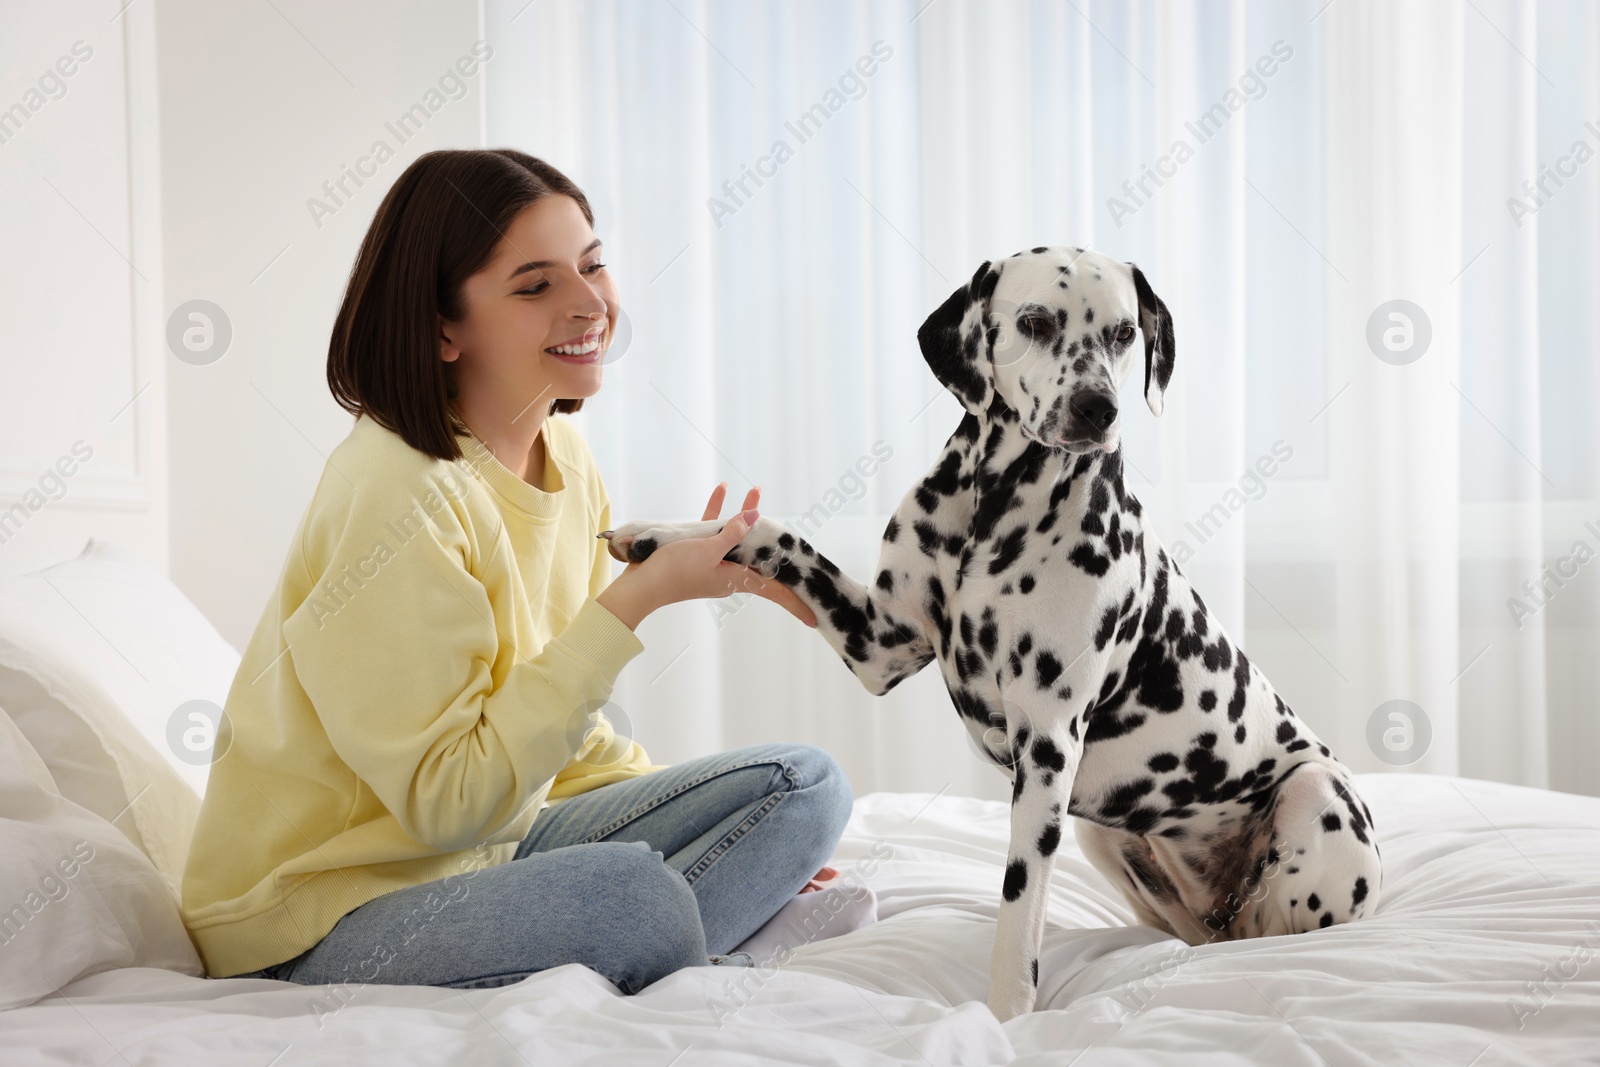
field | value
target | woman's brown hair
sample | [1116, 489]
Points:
[436, 227]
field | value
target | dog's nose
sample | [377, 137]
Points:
[1099, 410]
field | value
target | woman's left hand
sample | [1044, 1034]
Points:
[753, 582]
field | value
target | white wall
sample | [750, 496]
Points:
[258, 110]
[82, 394]
[177, 165]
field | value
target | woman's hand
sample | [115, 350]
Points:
[694, 568]
[751, 580]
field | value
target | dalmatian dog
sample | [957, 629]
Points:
[1074, 649]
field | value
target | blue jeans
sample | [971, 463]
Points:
[634, 880]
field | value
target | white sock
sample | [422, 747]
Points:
[810, 917]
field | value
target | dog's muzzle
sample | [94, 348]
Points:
[1090, 417]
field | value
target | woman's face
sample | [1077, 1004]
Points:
[539, 316]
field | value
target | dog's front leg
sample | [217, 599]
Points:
[880, 634]
[1046, 750]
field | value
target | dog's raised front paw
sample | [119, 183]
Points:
[632, 542]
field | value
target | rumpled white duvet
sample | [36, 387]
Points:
[1485, 950]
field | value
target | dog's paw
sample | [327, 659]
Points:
[632, 542]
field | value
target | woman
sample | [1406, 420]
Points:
[415, 783]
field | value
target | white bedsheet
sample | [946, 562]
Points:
[1485, 950]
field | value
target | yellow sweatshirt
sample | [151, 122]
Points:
[426, 678]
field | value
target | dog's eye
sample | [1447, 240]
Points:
[1036, 325]
[1125, 334]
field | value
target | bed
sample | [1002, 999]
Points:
[1485, 950]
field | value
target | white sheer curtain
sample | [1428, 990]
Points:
[1364, 516]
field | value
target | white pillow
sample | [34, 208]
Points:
[97, 656]
[77, 897]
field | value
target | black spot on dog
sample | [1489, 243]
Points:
[1140, 820]
[1241, 682]
[1181, 792]
[1359, 893]
[1016, 880]
[1108, 726]
[1108, 624]
[1121, 800]
[1048, 669]
[1327, 919]
[1086, 559]
[1159, 684]
[1218, 656]
[1046, 754]
[1163, 762]
[1050, 839]
[1314, 902]
[988, 637]
[1099, 496]
[1330, 822]
[1035, 973]
[1009, 549]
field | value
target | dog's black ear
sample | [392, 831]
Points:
[1159, 349]
[960, 362]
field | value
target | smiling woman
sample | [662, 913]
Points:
[448, 717]
[389, 353]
